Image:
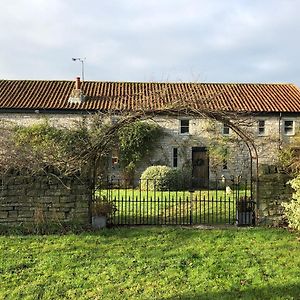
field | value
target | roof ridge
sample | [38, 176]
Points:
[153, 82]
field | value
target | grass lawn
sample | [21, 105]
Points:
[152, 263]
[137, 194]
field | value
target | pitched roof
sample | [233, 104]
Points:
[54, 95]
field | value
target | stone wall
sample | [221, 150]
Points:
[272, 191]
[27, 199]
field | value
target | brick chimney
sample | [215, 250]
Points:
[77, 95]
[77, 83]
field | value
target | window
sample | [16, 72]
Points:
[184, 126]
[225, 130]
[288, 127]
[261, 127]
[175, 157]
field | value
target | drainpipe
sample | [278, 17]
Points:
[279, 131]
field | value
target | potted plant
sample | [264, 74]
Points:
[244, 211]
[101, 208]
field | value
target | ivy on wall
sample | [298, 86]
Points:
[226, 150]
[67, 149]
[218, 152]
[289, 156]
[137, 141]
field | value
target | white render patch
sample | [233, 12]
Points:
[76, 96]
[61, 120]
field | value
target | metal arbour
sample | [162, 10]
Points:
[253, 156]
[235, 121]
[151, 203]
[215, 204]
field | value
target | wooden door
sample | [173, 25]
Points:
[200, 170]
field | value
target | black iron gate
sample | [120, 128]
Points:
[222, 202]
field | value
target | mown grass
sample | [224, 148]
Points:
[152, 263]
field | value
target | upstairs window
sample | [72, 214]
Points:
[261, 127]
[175, 157]
[225, 130]
[184, 126]
[288, 128]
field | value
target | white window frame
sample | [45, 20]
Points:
[284, 127]
[184, 126]
[264, 127]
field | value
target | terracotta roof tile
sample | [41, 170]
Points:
[54, 95]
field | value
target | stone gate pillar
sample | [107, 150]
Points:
[273, 189]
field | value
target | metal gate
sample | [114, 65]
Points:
[149, 203]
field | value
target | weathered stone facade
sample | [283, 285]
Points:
[202, 133]
[28, 199]
[207, 133]
[273, 189]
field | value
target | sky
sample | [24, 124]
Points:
[151, 40]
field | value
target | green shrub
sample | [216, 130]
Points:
[136, 141]
[159, 178]
[292, 208]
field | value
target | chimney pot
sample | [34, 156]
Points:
[77, 83]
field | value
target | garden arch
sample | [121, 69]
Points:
[140, 213]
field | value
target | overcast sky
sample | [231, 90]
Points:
[151, 40]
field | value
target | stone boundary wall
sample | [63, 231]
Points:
[32, 199]
[272, 191]
[28, 199]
